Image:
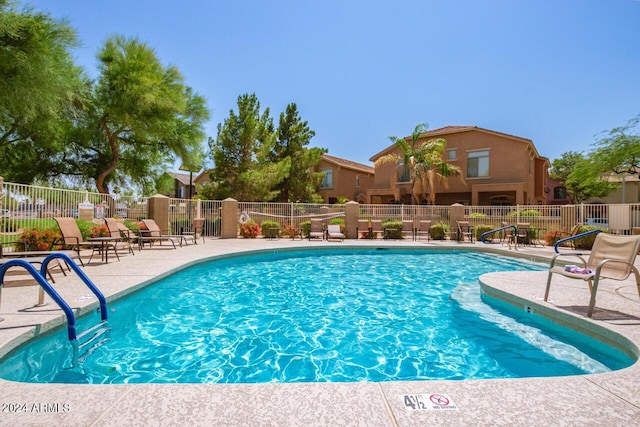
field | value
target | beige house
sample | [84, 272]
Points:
[344, 178]
[181, 182]
[497, 169]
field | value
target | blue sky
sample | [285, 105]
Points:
[557, 72]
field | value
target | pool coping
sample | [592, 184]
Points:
[528, 401]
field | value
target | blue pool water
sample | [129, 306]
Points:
[316, 315]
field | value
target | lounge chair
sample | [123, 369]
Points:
[333, 232]
[316, 231]
[126, 241]
[152, 233]
[611, 257]
[72, 238]
[424, 229]
[464, 231]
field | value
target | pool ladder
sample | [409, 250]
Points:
[45, 286]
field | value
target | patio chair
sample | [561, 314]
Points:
[333, 232]
[376, 228]
[424, 229]
[152, 233]
[362, 229]
[408, 229]
[464, 231]
[316, 231]
[611, 257]
[126, 241]
[197, 226]
[564, 234]
[72, 238]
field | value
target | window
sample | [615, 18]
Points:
[357, 181]
[452, 154]
[478, 164]
[327, 182]
[404, 173]
[559, 193]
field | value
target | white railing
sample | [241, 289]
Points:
[292, 214]
[27, 206]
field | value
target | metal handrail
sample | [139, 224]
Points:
[66, 258]
[577, 236]
[487, 233]
[39, 278]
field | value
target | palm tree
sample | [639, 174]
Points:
[425, 162]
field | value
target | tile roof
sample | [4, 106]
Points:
[348, 164]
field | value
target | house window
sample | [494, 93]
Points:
[559, 193]
[452, 154]
[404, 173]
[357, 181]
[478, 164]
[327, 182]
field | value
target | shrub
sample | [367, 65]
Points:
[99, 231]
[477, 215]
[438, 230]
[85, 227]
[306, 228]
[395, 225]
[527, 213]
[250, 230]
[38, 239]
[480, 229]
[132, 225]
[587, 241]
[266, 225]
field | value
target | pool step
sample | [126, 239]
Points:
[89, 340]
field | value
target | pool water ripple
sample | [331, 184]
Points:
[340, 315]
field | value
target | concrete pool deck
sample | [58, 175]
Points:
[598, 399]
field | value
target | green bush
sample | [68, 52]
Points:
[477, 215]
[524, 213]
[306, 228]
[438, 230]
[266, 225]
[86, 227]
[132, 225]
[587, 241]
[396, 225]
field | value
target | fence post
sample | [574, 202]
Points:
[229, 219]
[158, 210]
[456, 213]
[351, 217]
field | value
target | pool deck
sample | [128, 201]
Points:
[611, 399]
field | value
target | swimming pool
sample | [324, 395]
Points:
[316, 315]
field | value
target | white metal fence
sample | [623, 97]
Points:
[26, 206]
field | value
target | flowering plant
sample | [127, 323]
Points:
[250, 230]
[99, 231]
[36, 239]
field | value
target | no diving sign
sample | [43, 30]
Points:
[428, 402]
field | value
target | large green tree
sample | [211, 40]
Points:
[41, 91]
[293, 137]
[425, 162]
[580, 177]
[140, 116]
[241, 152]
